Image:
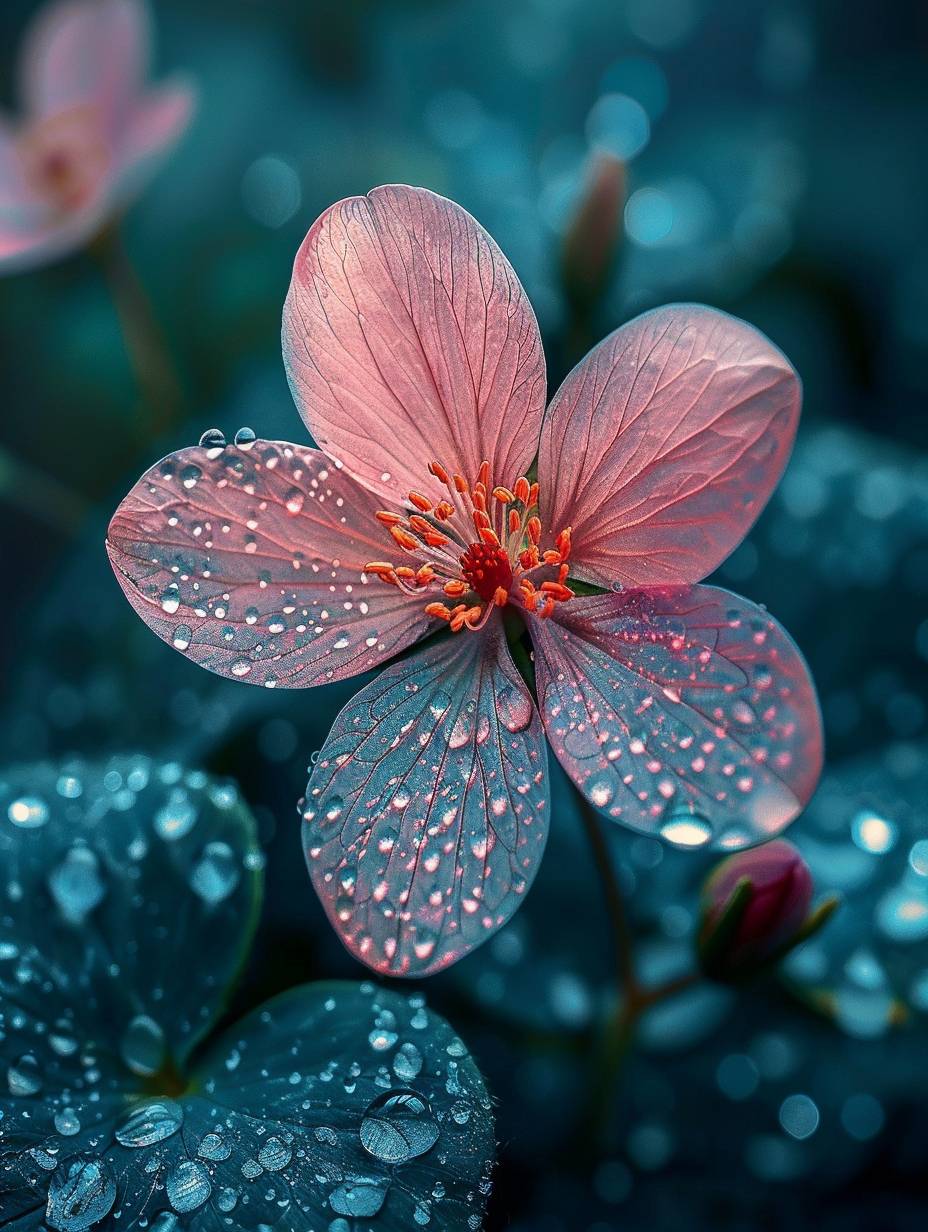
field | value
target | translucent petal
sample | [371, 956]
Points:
[686, 712]
[427, 810]
[104, 866]
[86, 51]
[156, 125]
[407, 338]
[249, 560]
[663, 445]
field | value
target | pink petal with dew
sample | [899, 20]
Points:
[251, 561]
[685, 712]
[158, 122]
[663, 445]
[408, 338]
[86, 51]
[427, 811]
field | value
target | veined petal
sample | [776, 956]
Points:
[663, 445]
[251, 562]
[408, 338]
[86, 51]
[686, 712]
[427, 811]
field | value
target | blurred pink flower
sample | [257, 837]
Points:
[415, 360]
[91, 132]
[775, 907]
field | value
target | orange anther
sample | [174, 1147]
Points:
[479, 497]
[404, 572]
[440, 473]
[522, 489]
[437, 609]
[501, 596]
[515, 521]
[547, 609]
[378, 566]
[387, 518]
[419, 524]
[504, 496]
[424, 575]
[528, 558]
[562, 574]
[404, 538]
[557, 591]
[563, 542]
[444, 510]
[455, 588]
[480, 519]
[551, 557]
[489, 536]
[533, 495]
[461, 484]
[483, 475]
[421, 502]
[534, 529]
[435, 539]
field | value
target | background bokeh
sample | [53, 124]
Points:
[775, 168]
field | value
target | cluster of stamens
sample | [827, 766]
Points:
[477, 574]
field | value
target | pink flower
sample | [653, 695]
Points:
[415, 360]
[91, 133]
[775, 907]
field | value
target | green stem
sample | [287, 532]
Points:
[146, 345]
[620, 1029]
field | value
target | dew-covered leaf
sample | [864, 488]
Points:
[250, 560]
[336, 1106]
[128, 893]
[427, 812]
[686, 712]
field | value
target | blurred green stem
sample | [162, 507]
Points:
[618, 1034]
[37, 493]
[146, 345]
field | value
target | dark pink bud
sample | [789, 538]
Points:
[754, 904]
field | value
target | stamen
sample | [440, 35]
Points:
[534, 530]
[422, 503]
[387, 518]
[501, 596]
[522, 490]
[440, 473]
[404, 538]
[439, 610]
[503, 495]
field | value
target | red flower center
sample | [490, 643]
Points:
[503, 564]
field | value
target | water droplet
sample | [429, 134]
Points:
[514, 707]
[213, 439]
[275, 1155]
[245, 438]
[398, 1126]
[170, 599]
[24, 1076]
[187, 1186]
[182, 637]
[80, 1196]
[216, 873]
[213, 1147]
[76, 884]
[143, 1047]
[151, 1123]
[359, 1197]
[28, 812]
[190, 476]
[176, 818]
[67, 1122]
[684, 828]
[407, 1063]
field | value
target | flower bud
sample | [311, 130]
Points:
[594, 233]
[755, 909]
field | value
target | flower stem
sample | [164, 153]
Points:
[619, 1031]
[621, 933]
[145, 342]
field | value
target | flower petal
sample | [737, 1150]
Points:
[157, 123]
[251, 561]
[426, 813]
[86, 51]
[408, 338]
[684, 711]
[663, 445]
